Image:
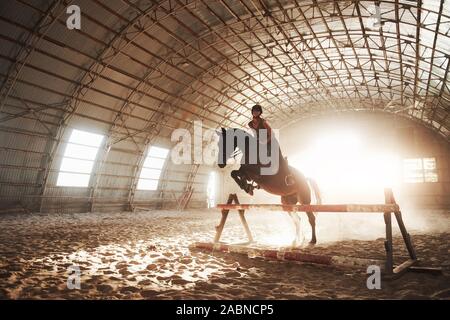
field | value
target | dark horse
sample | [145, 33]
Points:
[296, 191]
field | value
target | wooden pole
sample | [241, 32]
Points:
[244, 221]
[388, 242]
[219, 228]
[286, 255]
[405, 234]
[331, 208]
[245, 224]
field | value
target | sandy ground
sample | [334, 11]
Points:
[145, 255]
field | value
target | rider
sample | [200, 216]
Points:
[256, 125]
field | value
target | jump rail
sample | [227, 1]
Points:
[336, 208]
[387, 209]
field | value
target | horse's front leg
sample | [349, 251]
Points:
[238, 177]
[241, 179]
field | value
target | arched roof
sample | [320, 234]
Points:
[142, 68]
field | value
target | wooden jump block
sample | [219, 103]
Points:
[387, 209]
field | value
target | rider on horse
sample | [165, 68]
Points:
[272, 174]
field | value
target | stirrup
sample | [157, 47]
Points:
[289, 180]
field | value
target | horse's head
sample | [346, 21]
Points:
[225, 152]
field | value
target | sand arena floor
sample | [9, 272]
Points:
[145, 255]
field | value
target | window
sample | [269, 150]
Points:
[151, 169]
[211, 190]
[419, 170]
[78, 160]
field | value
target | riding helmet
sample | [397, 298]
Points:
[257, 107]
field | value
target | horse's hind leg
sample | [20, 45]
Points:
[304, 197]
[289, 200]
[297, 223]
[312, 222]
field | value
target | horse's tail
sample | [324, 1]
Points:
[315, 187]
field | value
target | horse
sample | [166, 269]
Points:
[298, 191]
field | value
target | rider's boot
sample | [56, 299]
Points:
[249, 189]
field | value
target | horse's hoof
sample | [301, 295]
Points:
[312, 242]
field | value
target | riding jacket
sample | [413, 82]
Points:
[261, 124]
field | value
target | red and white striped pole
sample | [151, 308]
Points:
[288, 255]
